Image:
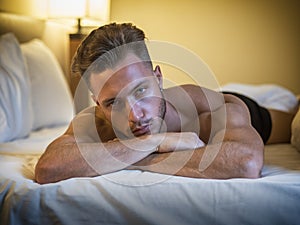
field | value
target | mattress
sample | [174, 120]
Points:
[136, 197]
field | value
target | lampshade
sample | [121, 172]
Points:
[80, 9]
[67, 8]
[98, 9]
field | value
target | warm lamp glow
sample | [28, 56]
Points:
[79, 9]
[67, 8]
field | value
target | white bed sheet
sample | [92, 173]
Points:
[35, 143]
[135, 197]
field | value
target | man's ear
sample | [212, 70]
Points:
[158, 74]
[95, 99]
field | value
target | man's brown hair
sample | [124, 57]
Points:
[104, 47]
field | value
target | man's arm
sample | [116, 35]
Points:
[235, 150]
[80, 153]
[229, 159]
[65, 158]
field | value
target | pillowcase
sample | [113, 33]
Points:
[295, 139]
[270, 96]
[15, 99]
[51, 98]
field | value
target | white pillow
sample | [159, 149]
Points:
[15, 99]
[51, 98]
[295, 139]
[270, 96]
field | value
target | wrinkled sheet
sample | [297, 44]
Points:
[135, 197]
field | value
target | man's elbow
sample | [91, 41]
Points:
[252, 168]
[43, 173]
[253, 163]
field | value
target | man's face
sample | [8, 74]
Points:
[130, 98]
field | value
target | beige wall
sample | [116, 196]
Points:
[36, 8]
[241, 41]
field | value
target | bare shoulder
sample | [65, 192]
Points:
[204, 99]
[89, 125]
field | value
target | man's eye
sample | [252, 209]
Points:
[140, 91]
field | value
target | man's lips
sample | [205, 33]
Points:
[141, 130]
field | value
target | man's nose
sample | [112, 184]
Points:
[136, 113]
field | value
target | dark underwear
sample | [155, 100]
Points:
[260, 116]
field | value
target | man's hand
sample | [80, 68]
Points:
[179, 141]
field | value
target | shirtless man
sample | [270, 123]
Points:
[138, 125]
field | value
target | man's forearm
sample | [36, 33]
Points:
[217, 161]
[64, 158]
[120, 154]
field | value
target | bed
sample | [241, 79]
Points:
[124, 197]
